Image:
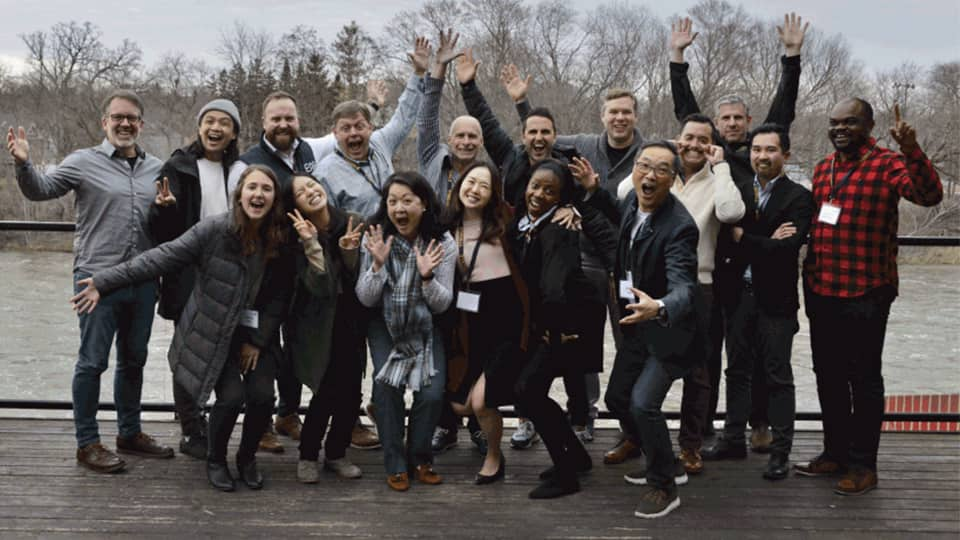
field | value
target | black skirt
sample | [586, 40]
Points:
[494, 342]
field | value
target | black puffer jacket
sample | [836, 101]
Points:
[201, 341]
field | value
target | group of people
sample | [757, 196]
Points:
[476, 283]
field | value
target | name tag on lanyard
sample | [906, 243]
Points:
[250, 318]
[625, 285]
[829, 214]
[468, 301]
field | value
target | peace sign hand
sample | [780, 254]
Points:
[351, 237]
[164, 196]
[429, 259]
[903, 132]
[305, 228]
[378, 249]
[17, 145]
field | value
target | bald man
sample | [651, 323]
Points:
[441, 164]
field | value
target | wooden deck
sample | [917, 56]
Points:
[43, 493]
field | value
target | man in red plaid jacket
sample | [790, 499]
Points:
[850, 280]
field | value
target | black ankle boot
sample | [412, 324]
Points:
[249, 474]
[219, 476]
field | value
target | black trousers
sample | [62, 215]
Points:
[187, 409]
[697, 390]
[254, 391]
[846, 338]
[756, 338]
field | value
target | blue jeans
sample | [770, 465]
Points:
[127, 314]
[390, 408]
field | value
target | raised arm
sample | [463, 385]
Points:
[428, 119]
[784, 105]
[403, 119]
[516, 87]
[681, 36]
[34, 184]
[495, 138]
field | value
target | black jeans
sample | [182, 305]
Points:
[846, 338]
[638, 385]
[695, 400]
[255, 391]
[756, 338]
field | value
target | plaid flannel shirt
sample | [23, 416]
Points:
[859, 253]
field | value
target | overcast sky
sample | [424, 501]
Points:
[882, 33]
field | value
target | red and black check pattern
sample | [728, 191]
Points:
[859, 253]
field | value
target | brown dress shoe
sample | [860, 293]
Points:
[819, 466]
[691, 460]
[623, 451]
[364, 438]
[399, 481]
[143, 445]
[97, 457]
[426, 475]
[761, 439]
[857, 481]
[269, 441]
[289, 425]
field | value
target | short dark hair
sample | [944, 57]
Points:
[698, 118]
[542, 112]
[617, 93]
[663, 143]
[430, 227]
[866, 108]
[562, 171]
[274, 96]
[349, 109]
[121, 93]
[771, 128]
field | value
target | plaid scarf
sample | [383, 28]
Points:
[408, 320]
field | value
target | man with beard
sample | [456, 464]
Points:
[850, 280]
[733, 120]
[114, 187]
[362, 159]
[193, 185]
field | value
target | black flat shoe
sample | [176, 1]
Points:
[777, 467]
[553, 488]
[550, 471]
[249, 474]
[219, 476]
[483, 479]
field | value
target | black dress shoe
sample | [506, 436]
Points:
[249, 474]
[724, 449]
[777, 467]
[556, 487]
[581, 468]
[219, 476]
[483, 479]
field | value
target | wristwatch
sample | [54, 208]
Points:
[662, 312]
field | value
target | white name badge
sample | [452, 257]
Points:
[468, 301]
[250, 318]
[625, 285]
[829, 214]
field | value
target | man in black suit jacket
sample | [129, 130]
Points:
[764, 316]
[662, 331]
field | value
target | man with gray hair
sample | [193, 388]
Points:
[732, 118]
[114, 185]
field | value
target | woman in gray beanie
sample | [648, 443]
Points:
[193, 184]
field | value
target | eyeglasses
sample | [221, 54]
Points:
[660, 172]
[119, 118]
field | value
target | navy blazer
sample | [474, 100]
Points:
[663, 262]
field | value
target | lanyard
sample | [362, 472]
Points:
[359, 168]
[843, 182]
[473, 257]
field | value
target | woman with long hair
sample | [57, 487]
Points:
[321, 332]
[549, 258]
[224, 339]
[492, 322]
[406, 273]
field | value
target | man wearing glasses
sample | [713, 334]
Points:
[114, 185]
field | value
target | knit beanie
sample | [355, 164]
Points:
[224, 106]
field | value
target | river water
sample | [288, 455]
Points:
[39, 337]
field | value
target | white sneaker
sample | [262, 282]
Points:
[524, 436]
[343, 467]
[308, 472]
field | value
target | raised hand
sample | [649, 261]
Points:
[681, 36]
[792, 32]
[785, 230]
[467, 67]
[164, 196]
[17, 144]
[351, 237]
[87, 299]
[714, 154]
[644, 309]
[515, 85]
[377, 91]
[447, 50]
[305, 228]
[420, 57]
[378, 249]
[903, 132]
[429, 258]
[249, 354]
[584, 174]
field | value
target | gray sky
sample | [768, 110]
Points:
[881, 33]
